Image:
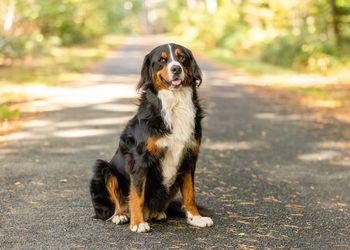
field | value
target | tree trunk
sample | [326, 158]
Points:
[334, 15]
[10, 15]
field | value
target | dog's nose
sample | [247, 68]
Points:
[175, 69]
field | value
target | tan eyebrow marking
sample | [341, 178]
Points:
[178, 52]
[164, 55]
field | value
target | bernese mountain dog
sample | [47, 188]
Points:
[158, 148]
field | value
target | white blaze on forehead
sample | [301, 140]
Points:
[174, 62]
[171, 53]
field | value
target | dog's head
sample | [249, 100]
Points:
[169, 66]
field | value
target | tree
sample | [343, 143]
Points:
[335, 22]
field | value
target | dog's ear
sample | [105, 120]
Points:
[146, 77]
[196, 71]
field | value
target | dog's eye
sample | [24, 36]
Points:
[181, 58]
[162, 60]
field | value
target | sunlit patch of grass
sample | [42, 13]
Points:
[6, 113]
[312, 90]
[248, 64]
[318, 96]
[54, 65]
[10, 97]
[316, 93]
[252, 65]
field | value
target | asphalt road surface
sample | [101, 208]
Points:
[271, 177]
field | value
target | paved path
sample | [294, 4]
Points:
[272, 178]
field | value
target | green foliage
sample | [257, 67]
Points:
[301, 52]
[17, 47]
[71, 21]
[307, 35]
[7, 113]
[42, 24]
[282, 50]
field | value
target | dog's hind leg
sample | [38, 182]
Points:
[157, 216]
[106, 196]
[103, 206]
[120, 215]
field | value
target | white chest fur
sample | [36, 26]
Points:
[178, 113]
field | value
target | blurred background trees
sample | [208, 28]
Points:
[311, 35]
[29, 26]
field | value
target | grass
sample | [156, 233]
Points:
[6, 113]
[56, 67]
[59, 65]
[317, 95]
[248, 64]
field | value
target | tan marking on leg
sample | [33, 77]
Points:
[113, 193]
[193, 216]
[136, 203]
[187, 191]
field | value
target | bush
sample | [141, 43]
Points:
[41, 24]
[6, 113]
[281, 51]
[21, 46]
[300, 53]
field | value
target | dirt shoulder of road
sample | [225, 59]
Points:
[324, 104]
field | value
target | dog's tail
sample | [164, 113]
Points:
[175, 209]
[104, 208]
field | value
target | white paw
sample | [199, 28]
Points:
[120, 219]
[200, 221]
[158, 216]
[140, 228]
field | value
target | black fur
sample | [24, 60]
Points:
[132, 162]
[99, 196]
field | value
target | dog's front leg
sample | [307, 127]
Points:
[189, 203]
[136, 205]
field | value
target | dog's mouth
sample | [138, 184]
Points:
[174, 83]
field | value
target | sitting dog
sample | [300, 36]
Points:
[159, 147]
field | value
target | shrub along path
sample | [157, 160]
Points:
[272, 177]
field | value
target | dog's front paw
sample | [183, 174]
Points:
[200, 221]
[158, 216]
[140, 228]
[120, 219]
